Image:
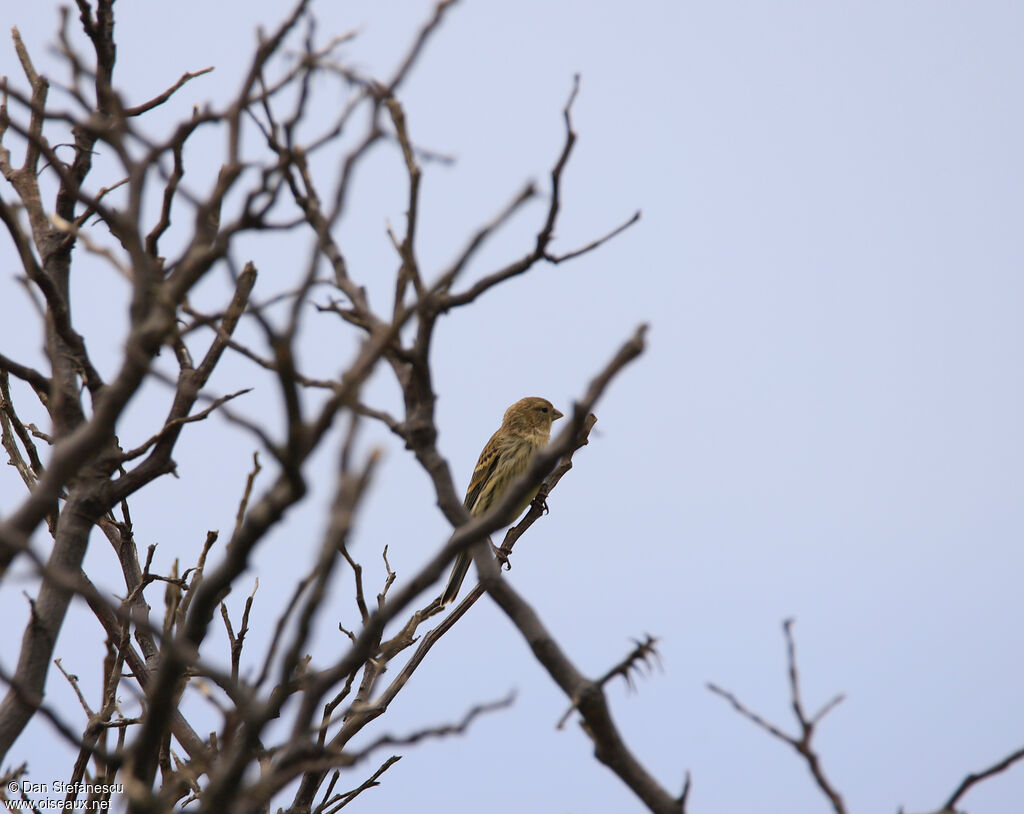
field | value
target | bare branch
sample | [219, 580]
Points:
[544, 236]
[177, 422]
[594, 244]
[338, 802]
[974, 778]
[801, 744]
[159, 99]
[642, 657]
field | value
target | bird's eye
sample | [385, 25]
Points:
[543, 409]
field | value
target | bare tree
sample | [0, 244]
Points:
[81, 477]
[283, 732]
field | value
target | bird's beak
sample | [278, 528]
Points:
[558, 415]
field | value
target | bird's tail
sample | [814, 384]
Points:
[461, 567]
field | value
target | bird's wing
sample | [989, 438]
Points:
[485, 468]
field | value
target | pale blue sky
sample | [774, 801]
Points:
[827, 424]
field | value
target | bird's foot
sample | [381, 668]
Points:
[502, 557]
[542, 501]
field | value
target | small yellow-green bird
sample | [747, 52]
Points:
[525, 428]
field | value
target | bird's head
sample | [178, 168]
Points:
[531, 416]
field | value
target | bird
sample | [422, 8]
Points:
[525, 428]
